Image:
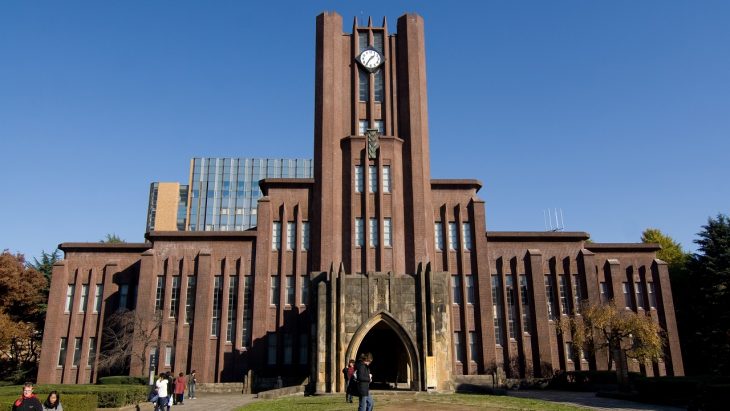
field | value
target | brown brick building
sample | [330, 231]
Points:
[372, 254]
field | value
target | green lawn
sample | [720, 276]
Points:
[409, 402]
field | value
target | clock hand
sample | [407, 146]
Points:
[368, 62]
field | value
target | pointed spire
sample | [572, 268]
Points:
[354, 24]
[385, 24]
[342, 268]
[370, 21]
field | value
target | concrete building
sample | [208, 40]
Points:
[371, 254]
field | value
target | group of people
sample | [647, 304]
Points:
[29, 402]
[169, 391]
[357, 379]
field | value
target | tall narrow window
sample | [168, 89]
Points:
[62, 352]
[271, 349]
[215, 324]
[288, 348]
[168, 356]
[453, 236]
[373, 232]
[190, 300]
[380, 126]
[232, 305]
[303, 349]
[511, 307]
[387, 232]
[438, 229]
[305, 235]
[473, 347]
[386, 179]
[92, 352]
[359, 179]
[276, 236]
[497, 308]
[577, 292]
[466, 235]
[550, 296]
[603, 286]
[373, 179]
[289, 290]
[627, 296]
[364, 84]
[525, 299]
[456, 289]
[98, 295]
[84, 297]
[359, 232]
[639, 287]
[175, 298]
[274, 300]
[123, 296]
[459, 347]
[362, 127]
[291, 236]
[160, 294]
[379, 92]
[564, 300]
[305, 290]
[77, 351]
[69, 297]
[652, 295]
[470, 289]
[569, 352]
[247, 312]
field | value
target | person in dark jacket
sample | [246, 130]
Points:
[28, 401]
[348, 373]
[363, 376]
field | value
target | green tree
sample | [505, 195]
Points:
[45, 265]
[112, 239]
[709, 276]
[623, 332]
[671, 252]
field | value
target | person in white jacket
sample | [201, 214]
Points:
[162, 394]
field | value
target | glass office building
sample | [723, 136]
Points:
[222, 193]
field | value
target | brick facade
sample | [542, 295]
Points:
[403, 266]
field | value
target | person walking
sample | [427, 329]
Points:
[348, 373]
[192, 382]
[162, 394]
[180, 389]
[27, 401]
[53, 402]
[363, 376]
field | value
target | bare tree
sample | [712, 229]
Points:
[128, 335]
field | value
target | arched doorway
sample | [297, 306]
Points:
[395, 361]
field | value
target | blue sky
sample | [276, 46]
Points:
[618, 112]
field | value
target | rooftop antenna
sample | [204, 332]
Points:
[553, 219]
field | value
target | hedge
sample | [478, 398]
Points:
[75, 402]
[107, 396]
[122, 380]
[586, 380]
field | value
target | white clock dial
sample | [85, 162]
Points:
[370, 59]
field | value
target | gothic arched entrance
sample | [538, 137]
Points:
[395, 360]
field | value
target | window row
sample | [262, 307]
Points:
[63, 348]
[466, 237]
[272, 340]
[275, 290]
[459, 347]
[372, 179]
[98, 293]
[373, 238]
[291, 240]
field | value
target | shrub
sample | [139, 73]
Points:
[122, 380]
[585, 380]
[106, 396]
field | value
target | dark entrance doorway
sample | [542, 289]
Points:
[391, 365]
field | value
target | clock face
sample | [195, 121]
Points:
[370, 59]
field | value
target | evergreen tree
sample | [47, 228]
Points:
[709, 276]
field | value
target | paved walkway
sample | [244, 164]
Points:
[589, 400]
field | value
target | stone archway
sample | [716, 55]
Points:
[396, 363]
